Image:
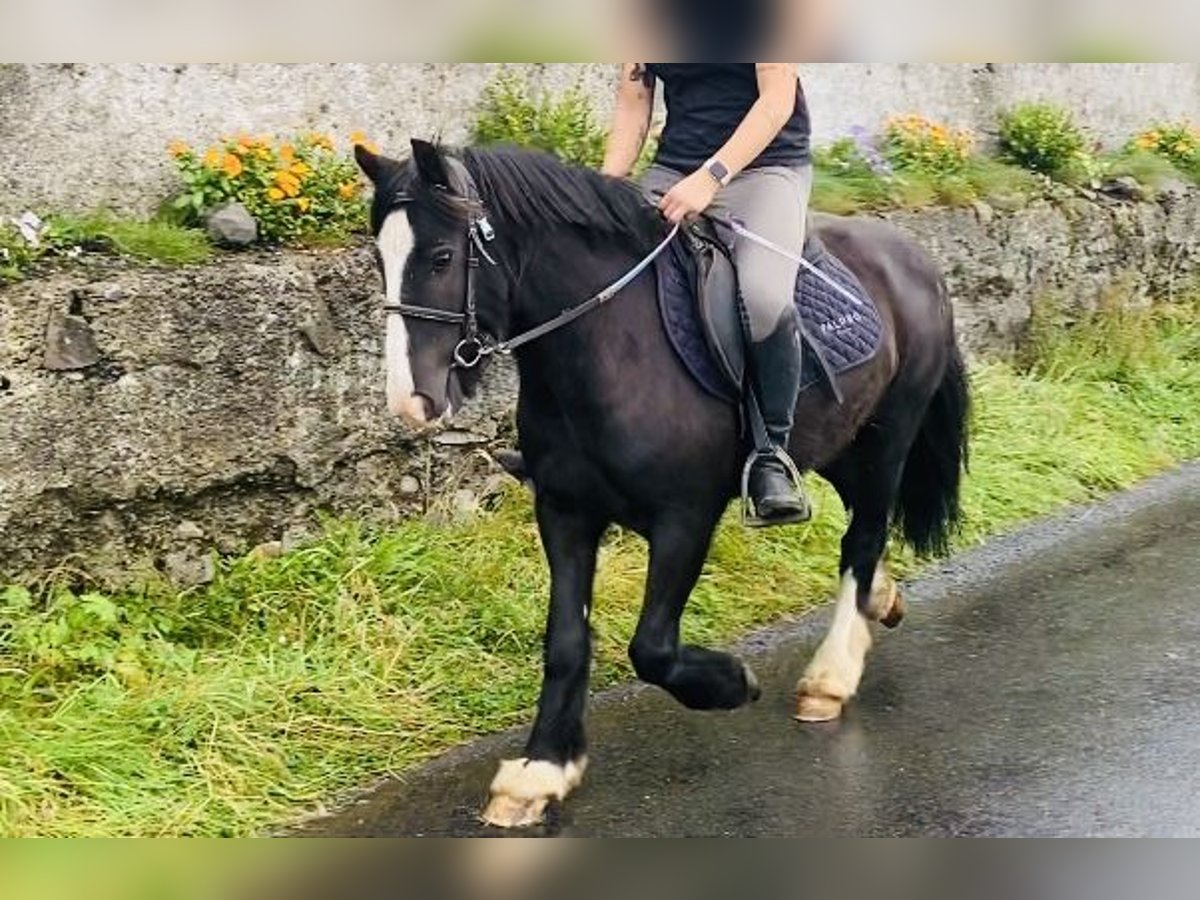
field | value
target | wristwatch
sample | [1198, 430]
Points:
[718, 170]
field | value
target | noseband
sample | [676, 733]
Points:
[476, 345]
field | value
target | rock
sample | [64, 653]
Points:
[456, 438]
[466, 503]
[409, 485]
[70, 344]
[188, 570]
[232, 225]
[268, 550]
[983, 212]
[1174, 189]
[319, 329]
[1126, 187]
[189, 531]
[294, 537]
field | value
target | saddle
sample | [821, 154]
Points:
[706, 322]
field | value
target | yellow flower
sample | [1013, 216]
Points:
[303, 203]
[1183, 147]
[178, 149]
[299, 169]
[213, 158]
[274, 194]
[320, 140]
[348, 190]
[232, 165]
[263, 153]
[288, 183]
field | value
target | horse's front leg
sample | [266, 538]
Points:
[697, 677]
[555, 755]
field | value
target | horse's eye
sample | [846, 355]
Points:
[442, 259]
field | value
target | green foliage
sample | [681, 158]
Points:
[1178, 143]
[917, 144]
[1150, 169]
[297, 191]
[156, 240]
[510, 113]
[848, 180]
[1041, 137]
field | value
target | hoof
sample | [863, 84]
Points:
[895, 615]
[511, 812]
[523, 788]
[753, 691]
[816, 708]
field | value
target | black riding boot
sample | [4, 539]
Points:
[777, 497]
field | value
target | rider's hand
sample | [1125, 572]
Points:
[689, 197]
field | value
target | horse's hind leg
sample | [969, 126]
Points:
[867, 477]
[555, 755]
[697, 677]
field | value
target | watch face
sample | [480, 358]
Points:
[718, 170]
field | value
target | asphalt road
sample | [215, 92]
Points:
[1045, 684]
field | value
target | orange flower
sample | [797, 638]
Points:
[288, 183]
[213, 158]
[178, 149]
[287, 153]
[303, 204]
[360, 139]
[348, 190]
[274, 194]
[233, 165]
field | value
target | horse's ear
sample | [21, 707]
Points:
[430, 164]
[372, 164]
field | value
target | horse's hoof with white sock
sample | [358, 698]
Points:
[523, 788]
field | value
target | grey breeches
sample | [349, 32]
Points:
[772, 201]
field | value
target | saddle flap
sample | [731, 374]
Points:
[715, 290]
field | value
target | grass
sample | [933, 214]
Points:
[237, 707]
[154, 240]
[846, 190]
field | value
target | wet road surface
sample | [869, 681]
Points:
[1045, 684]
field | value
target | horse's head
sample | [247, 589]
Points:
[426, 221]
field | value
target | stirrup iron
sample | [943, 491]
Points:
[750, 517]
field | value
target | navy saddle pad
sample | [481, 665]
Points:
[846, 331]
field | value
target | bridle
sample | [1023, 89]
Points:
[476, 345]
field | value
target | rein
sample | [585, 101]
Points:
[477, 345]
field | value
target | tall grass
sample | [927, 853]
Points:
[247, 703]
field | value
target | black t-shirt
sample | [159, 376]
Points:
[706, 102]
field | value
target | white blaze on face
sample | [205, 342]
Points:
[395, 243]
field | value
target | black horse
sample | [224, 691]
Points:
[614, 430]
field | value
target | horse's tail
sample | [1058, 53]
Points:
[927, 509]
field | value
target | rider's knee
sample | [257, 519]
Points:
[767, 305]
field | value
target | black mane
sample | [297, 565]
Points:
[534, 191]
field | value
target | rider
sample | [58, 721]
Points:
[736, 143]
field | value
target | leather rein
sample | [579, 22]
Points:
[476, 345]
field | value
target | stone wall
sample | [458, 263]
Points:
[148, 416]
[77, 136]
